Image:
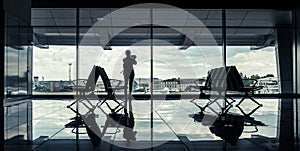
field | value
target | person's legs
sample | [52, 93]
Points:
[131, 78]
[126, 77]
[125, 83]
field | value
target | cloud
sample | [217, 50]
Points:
[53, 63]
[259, 62]
[169, 61]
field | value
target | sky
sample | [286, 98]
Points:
[168, 61]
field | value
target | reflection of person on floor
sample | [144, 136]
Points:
[128, 71]
[128, 132]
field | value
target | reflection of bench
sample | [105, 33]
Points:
[227, 79]
[88, 120]
[228, 126]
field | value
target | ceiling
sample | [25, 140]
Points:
[170, 26]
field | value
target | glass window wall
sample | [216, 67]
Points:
[175, 50]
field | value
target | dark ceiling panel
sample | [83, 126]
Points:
[236, 4]
[42, 22]
[136, 31]
[85, 22]
[236, 14]
[231, 31]
[259, 23]
[215, 31]
[64, 13]
[234, 22]
[214, 22]
[215, 15]
[45, 30]
[259, 14]
[165, 31]
[100, 13]
[41, 13]
[255, 31]
[65, 22]
[200, 14]
[85, 13]
[67, 31]
[239, 19]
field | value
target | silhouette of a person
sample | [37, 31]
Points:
[128, 133]
[128, 71]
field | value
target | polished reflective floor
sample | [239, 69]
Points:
[174, 127]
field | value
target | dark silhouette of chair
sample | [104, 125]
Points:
[110, 92]
[115, 118]
[235, 84]
[223, 80]
[88, 89]
[215, 89]
[86, 120]
[85, 92]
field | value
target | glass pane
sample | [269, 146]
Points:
[252, 52]
[182, 56]
[252, 59]
[12, 72]
[54, 60]
[54, 52]
[23, 74]
[105, 37]
[12, 58]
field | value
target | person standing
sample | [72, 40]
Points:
[128, 70]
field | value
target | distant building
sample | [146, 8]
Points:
[35, 81]
[182, 85]
[188, 85]
[146, 82]
[171, 84]
[54, 86]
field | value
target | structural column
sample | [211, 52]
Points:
[297, 79]
[2, 75]
[285, 62]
